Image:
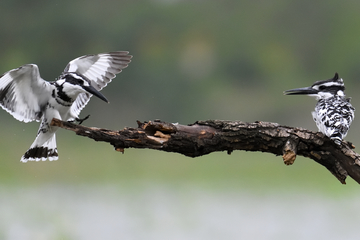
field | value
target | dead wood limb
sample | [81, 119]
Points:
[204, 137]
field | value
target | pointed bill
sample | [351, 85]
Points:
[301, 91]
[93, 91]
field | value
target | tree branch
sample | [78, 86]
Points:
[204, 137]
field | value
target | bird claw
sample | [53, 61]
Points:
[80, 120]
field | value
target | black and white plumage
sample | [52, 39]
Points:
[333, 112]
[28, 97]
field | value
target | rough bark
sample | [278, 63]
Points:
[204, 137]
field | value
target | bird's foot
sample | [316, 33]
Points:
[80, 120]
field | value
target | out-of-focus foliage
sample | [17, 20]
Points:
[193, 60]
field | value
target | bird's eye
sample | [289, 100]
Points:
[322, 87]
[81, 81]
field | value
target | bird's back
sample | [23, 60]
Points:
[333, 116]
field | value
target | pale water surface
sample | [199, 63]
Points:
[173, 212]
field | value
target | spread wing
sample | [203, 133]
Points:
[23, 93]
[99, 69]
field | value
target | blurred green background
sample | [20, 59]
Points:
[193, 60]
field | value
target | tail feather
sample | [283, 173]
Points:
[339, 134]
[42, 152]
[337, 140]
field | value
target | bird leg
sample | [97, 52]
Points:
[80, 120]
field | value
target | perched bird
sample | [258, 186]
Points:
[28, 97]
[333, 112]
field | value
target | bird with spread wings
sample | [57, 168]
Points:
[28, 97]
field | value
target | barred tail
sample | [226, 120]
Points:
[337, 137]
[336, 140]
[41, 152]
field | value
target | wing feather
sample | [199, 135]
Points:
[22, 93]
[99, 69]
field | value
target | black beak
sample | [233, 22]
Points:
[301, 91]
[92, 90]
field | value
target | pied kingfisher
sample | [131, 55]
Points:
[333, 112]
[28, 97]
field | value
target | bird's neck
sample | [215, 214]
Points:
[331, 98]
[62, 97]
